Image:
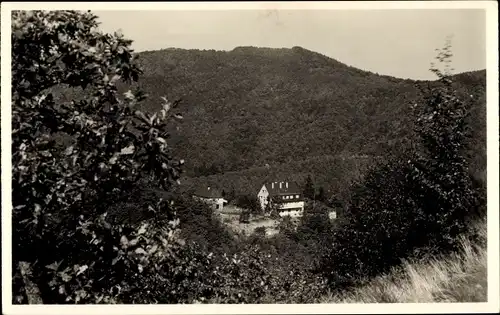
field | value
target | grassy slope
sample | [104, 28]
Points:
[461, 277]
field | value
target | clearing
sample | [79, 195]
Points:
[230, 216]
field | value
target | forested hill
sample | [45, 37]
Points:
[293, 109]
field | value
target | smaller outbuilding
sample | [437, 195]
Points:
[210, 196]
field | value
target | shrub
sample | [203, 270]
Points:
[309, 190]
[250, 276]
[379, 227]
[248, 203]
[260, 231]
[244, 217]
[199, 224]
[419, 199]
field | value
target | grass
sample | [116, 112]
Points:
[461, 277]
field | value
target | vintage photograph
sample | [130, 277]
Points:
[265, 155]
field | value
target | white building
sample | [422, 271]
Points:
[210, 196]
[287, 196]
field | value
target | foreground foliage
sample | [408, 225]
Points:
[71, 160]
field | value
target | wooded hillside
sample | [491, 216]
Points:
[295, 110]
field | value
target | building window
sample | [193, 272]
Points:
[296, 196]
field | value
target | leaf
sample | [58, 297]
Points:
[52, 283]
[68, 151]
[129, 95]
[54, 266]
[153, 249]
[124, 241]
[134, 242]
[64, 276]
[163, 114]
[62, 37]
[115, 78]
[140, 251]
[38, 209]
[142, 116]
[142, 230]
[166, 104]
[128, 150]
[152, 119]
[115, 260]
[62, 289]
[45, 153]
[82, 269]
[106, 225]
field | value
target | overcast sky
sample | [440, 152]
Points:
[400, 43]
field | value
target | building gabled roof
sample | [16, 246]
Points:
[283, 188]
[208, 192]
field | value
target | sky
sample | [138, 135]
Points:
[399, 43]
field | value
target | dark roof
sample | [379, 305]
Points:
[275, 189]
[208, 192]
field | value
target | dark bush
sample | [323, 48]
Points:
[249, 203]
[74, 159]
[199, 224]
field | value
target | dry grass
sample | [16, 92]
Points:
[461, 277]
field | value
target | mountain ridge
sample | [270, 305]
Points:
[256, 49]
[249, 107]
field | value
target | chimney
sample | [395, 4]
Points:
[286, 185]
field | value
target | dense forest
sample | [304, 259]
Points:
[101, 147]
[293, 110]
